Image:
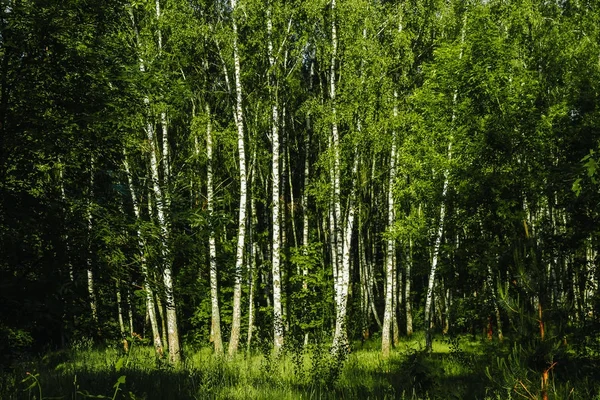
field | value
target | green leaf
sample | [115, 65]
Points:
[577, 187]
[119, 364]
[120, 381]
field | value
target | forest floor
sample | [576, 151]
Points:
[457, 368]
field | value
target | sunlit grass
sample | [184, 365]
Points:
[454, 370]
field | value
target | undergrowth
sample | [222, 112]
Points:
[457, 368]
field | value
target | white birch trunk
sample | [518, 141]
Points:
[120, 317]
[63, 197]
[292, 206]
[434, 262]
[278, 325]
[239, 259]
[492, 288]
[161, 313]
[370, 284]
[362, 272]
[162, 207]
[254, 251]
[340, 338]
[212, 246]
[396, 301]
[390, 292]
[165, 159]
[440, 230]
[407, 289]
[333, 234]
[129, 312]
[150, 308]
[389, 268]
[305, 206]
[171, 315]
[173, 334]
[90, 274]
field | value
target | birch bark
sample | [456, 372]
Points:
[120, 316]
[162, 205]
[492, 288]
[212, 246]
[161, 198]
[389, 270]
[90, 274]
[239, 259]
[435, 257]
[304, 201]
[407, 289]
[278, 326]
[171, 315]
[254, 252]
[150, 308]
[340, 338]
[440, 228]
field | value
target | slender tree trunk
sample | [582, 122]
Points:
[171, 314]
[120, 317]
[254, 251]
[333, 243]
[162, 200]
[340, 338]
[389, 268]
[370, 285]
[278, 325]
[407, 289]
[163, 320]
[90, 274]
[440, 230]
[434, 262]
[66, 240]
[150, 308]
[395, 329]
[292, 205]
[173, 332]
[129, 311]
[172, 338]
[364, 282]
[283, 229]
[332, 232]
[212, 243]
[305, 222]
[492, 289]
[241, 241]
[447, 299]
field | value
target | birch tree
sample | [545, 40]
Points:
[149, 292]
[440, 227]
[389, 270]
[162, 204]
[278, 325]
[241, 241]
[90, 274]
[212, 246]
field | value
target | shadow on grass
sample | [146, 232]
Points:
[437, 376]
[138, 384]
[409, 374]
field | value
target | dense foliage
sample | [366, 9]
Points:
[435, 165]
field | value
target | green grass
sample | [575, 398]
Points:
[451, 371]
